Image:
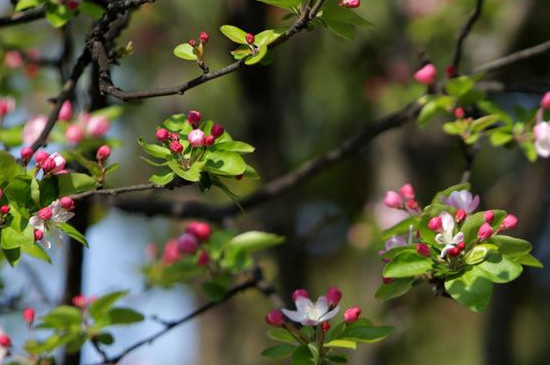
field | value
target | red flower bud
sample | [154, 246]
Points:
[26, 154]
[204, 37]
[423, 249]
[5, 209]
[426, 75]
[407, 191]
[45, 213]
[387, 280]
[460, 215]
[5, 341]
[48, 165]
[79, 301]
[545, 102]
[510, 222]
[333, 296]
[72, 4]
[435, 224]
[41, 156]
[392, 199]
[217, 130]
[201, 230]
[194, 118]
[451, 71]
[67, 203]
[485, 231]
[275, 318]
[412, 204]
[187, 244]
[459, 113]
[176, 147]
[325, 326]
[28, 316]
[66, 112]
[192, 42]
[38, 235]
[489, 216]
[249, 38]
[352, 314]
[453, 251]
[162, 134]
[209, 141]
[299, 293]
[204, 258]
[174, 136]
[103, 153]
[461, 246]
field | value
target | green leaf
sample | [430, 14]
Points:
[429, 111]
[25, 4]
[9, 168]
[529, 151]
[479, 253]
[13, 256]
[235, 146]
[215, 291]
[123, 316]
[255, 241]
[285, 4]
[280, 334]
[73, 233]
[57, 15]
[278, 352]
[338, 358]
[178, 122]
[62, 317]
[394, 289]
[225, 163]
[105, 338]
[400, 228]
[529, 260]
[302, 356]
[94, 11]
[459, 86]
[193, 174]
[500, 269]
[500, 137]
[112, 112]
[12, 137]
[366, 333]
[483, 123]
[260, 54]
[344, 344]
[407, 264]
[511, 246]
[455, 128]
[101, 306]
[36, 251]
[472, 290]
[162, 179]
[18, 190]
[186, 51]
[341, 29]
[72, 183]
[12, 238]
[332, 11]
[237, 35]
[155, 150]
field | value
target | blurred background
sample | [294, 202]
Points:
[319, 91]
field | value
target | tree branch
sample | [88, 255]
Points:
[514, 58]
[465, 31]
[22, 17]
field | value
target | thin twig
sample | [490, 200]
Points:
[23, 17]
[514, 58]
[465, 31]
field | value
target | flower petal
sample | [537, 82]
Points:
[294, 316]
[321, 307]
[330, 314]
[304, 304]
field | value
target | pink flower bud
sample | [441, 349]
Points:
[192, 42]
[26, 154]
[187, 244]
[333, 296]
[176, 147]
[249, 38]
[59, 163]
[48, 165]
[33, 128]
[352, 314]
[196, 138]
[41, 156]
[72, 4]
[461, 246]
[485, 231]
[209, 141]
[423, 249]
[5, 341]
[74, 133]
[350, 3]
[1, 193]
[66, 112]
[97, 126]
[299, 293]
[325, 326]
[67, 203]
[460, 215]
[171, 253]
[38, 235]
[545, 102]
[426, 75]
[407, 191]
[435, 224]
[174, 136]
[28, 316]
[5, 209]
[204, 37]
[103, 153]
[6, 106]
[392, 199]
[194, 118]
[510, 222]
[488, 216]
[45, 213]
[79, 301]
[201, 230]
[217, 130]
[203, 259]
[412, 204]
[453, 251]
[459, 113]
[275, 318]
[162, 134]
[13, 59]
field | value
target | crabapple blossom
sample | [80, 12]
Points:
[74, 133]
[352, 314]
[435, 224]
[350, 3]
[47, 220]
[309, 314]
[545, 101]
[275, 318]
[325, 326]
[196, 138]
[200, 230]
[217, 130]
[209, 141]
[407, 191]
[542, 139]
[67, 203]
[204, 37]
[38, 235]
[194, 118]
[13, 59]
[171, 253]
[176, 147]
[7, 104]
[249, 38]
[162, 134]
[447, 236]
[4, 209]
[488, 216]
[41, 156]
[26, 154]
[103, 153]
[55, 164]
[66, 111]
[393, 242]
[33, 128]
[79, 301]
[426, 75]
[28, 316]
[5, 344]
[97, 126]
[393, 199]
[485, 231]
[462, 199]
[203, 259]
[460, 215]
[423, 249]
[192, 42]
[459, 113]
[45, 213]
[187, 244]
[509, 222]
[333, 296]
[299, 293]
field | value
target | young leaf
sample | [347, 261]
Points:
[302, 356]
[162, 179]
[62, 317]
[473, 290]
[101, 306]
[155, 150]
[235, 146]
[186, 52]
[57, 15]
[394, 289]
[123, 316]
[407, 264]
[73, 233]
[499, 269]
[280, 334]
[237, 35]
[511, 246]
[260, 54]
[25, 4]
[72, 183]
[225, 163]
[278, 352]
[285, 4]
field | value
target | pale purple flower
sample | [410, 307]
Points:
[462, 199]
[542, 139]
[52, 233]
[447, 236]
[393, 242]
[309, 314]
[33, 128]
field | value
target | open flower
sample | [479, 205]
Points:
[33, 128]
[393, 242]
[309, 314]
[462, 199]
[47, 221]
[447, 236]
[542, 139]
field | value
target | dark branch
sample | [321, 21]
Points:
[23, 17]
[514, 58]
[465, 31]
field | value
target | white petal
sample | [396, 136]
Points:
[447, 223]
[473, 204]
[37, 223]
[330, 314]
[459, 237]
[55, 235]
[303, 304]
[445, 249]
[62, 216]
[543, 147]
[294, 316]
[321, 307]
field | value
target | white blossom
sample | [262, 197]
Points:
[309, 314]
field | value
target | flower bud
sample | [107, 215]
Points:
[460, 215]
[204, 258]
[333, 296]
[387, 280]
[200, 230]
[187, 244]
[45, 213]
[485, 231]
[59, 163]
[407, 191]
[194, 118]
[5, 209]
[74, 133]
[103, 153]
[350, 3]
[72, 4]
[1, 193]
[26, 154]
[174, 136]
[67, 203]
[393, 200]
[450, 71]
[6, 106]
[509, 222]
[217, 130]
[352, 314]
[299, 293]
[204, 37]
[275, 318]
[79, 301]
[41, 156]
[48, 165]
[325, 326]
[453, 251]
[176, 147]
[5, 340]
[192, 42]
[426, 75]
[171, 253]
[66, 111]
[97, 126]
[461, 246]
[209, 141]
[435, 224]
[545, 101]
[459, 113]
[488, 216]
[28, 316]
[162, 134]
[423, 249]
[249, 38]
[196, 138]
[412, 204]
[38, 235]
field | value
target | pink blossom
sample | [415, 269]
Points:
[545, 101]
[187, 244]
[407, 191]
[462, 199]
[542, 139]
[26, 154]
[201, 230]
[393, 199]
[334, 295]
[66, 112]
[194, 118]
[204, 37]
[7, 104]
[275, 318]
[299, 293]
[34, 128]
[352, 314]
[97, 126]
[162, 134]
[13, 59]
[74, 133]
[510, 222]
[393, 242]
[171, 253]
[249, 38]
[426, 75]
[196, 138]
[485, 231]
[350, 3]
[103, 153]
[488, 216]
[28, 315]
[59, 163]
[435, 224]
